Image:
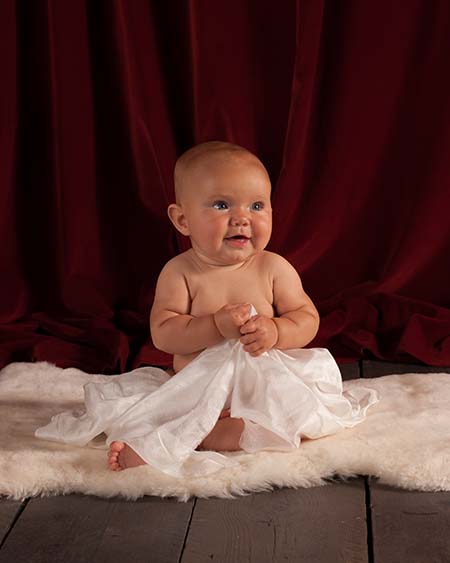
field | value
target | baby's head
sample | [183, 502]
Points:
[222, 202]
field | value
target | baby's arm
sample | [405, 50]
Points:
[175, 331]
[297, 321]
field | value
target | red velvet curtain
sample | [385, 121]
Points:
[347, 104]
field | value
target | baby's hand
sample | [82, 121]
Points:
[260, 334]
[230, 318]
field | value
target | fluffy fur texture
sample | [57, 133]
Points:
[405, 441]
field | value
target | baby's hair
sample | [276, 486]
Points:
[194, 156]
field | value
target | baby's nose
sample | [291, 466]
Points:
[239, 219]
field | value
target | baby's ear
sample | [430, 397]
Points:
[178, 218]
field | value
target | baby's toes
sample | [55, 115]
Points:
[113, 462]
[116, 446]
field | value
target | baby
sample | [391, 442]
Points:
[203, 295]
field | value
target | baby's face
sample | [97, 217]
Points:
[228, 211]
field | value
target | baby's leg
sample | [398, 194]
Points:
[225, 436]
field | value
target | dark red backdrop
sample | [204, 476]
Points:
[347, 103]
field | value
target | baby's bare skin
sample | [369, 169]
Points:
[203, 296]
[213, 288]
[224, 437]
[258, 280]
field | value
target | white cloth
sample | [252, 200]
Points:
[281, 395]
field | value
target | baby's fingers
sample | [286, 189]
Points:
[257, 352]
[240, 315]
[250, 326]
[248, 339]
[254, 349]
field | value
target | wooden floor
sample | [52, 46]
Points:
[357, 521]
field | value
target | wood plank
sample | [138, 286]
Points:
[320, 524]
[79, 528]
[9, 510]
[409, 525]
[377, 369]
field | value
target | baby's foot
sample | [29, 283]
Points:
[121, 456]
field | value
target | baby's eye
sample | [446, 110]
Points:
[221, 205]
[257, 206]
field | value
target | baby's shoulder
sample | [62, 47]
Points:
[176, 266]
[273, 262]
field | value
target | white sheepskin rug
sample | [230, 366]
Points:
[404, 441]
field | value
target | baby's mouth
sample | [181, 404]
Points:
[238, 237]
[238, 241]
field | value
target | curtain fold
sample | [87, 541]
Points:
[347, 104]
[12, 283]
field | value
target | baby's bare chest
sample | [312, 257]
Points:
[211, 291]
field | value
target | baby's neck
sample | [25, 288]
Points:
[204, 263]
